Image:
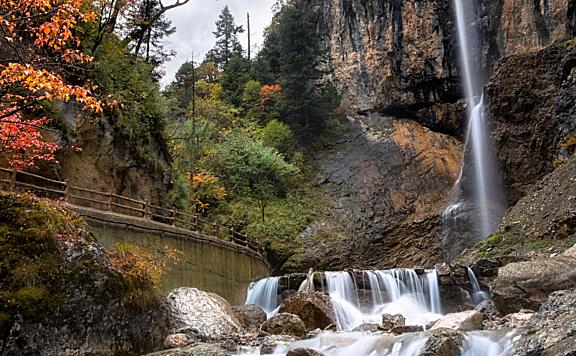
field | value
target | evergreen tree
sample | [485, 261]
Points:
[234, 78]
[227, 45]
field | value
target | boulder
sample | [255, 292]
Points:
[390, 321]
[285, 324]
[269, 343]
[304, 352]
[208, 314]
[176, 340]
[250, 317]
[552, 330]
[518, 320]
[488, 309]
[464, 321]
[443, 342]
[528, 284]
[314, 308]
[403, 329]
[196, 349]
[367, 328]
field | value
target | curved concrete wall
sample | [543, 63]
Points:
[207, 264]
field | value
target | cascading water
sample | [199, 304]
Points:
[478, 295]
[264, 293]
[479, 183]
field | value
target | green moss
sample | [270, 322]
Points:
[538, 245]
[30, 256]
[498, 244]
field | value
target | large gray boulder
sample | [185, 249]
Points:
[526, 285]
[205, 314]
[314, 308]
[552, 330]
[196, 349]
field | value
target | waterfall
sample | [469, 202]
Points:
[264, 293]
[479, 181]
[433, 291]
[478, 295]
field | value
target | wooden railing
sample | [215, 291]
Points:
[15, 180]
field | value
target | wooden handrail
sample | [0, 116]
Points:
[198, 224]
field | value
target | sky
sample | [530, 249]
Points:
[195, 23]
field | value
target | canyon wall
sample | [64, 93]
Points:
[395, 62]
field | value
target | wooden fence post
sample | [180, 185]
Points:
[173, 216]
[66, 193]
[215, 227]
[146, 214]
[109, 202]
[13, 180]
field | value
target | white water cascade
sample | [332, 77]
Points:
[396, 291]
[478, 295]
[479, 182]
[264, 293]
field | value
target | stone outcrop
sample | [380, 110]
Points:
[531, 102]
[552, 330]
[400, 56]
[526, 285]
[388, 181]
[196, 349]
[464, 321]
[313, 308]
[304, 352]
[70, 300]
[204, 314]
[285, 324]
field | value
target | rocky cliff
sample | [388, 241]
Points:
[396, 65]
[108, 161]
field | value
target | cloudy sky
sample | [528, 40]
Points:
[195, 23]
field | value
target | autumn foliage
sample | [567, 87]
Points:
[39, 45]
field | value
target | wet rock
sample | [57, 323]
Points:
[304, 352]
[528, 284]
[207, 313]
[176, 340]
[443, 342]
[313, 308]
[404, 329]
[197, 349]
[285, 324]
[250, 317]
[269, 343]
[552, 330]
[390, 321]
[488, 309]
[367, 328]
[518, 320]
[464, 321]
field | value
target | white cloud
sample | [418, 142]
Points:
[195, 23]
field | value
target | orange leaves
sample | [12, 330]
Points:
[268, 92]
[22, 140]
[206, 187]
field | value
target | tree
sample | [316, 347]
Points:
[235, 76]
[252, 169]
[227, 45]
[146, 27]
[40, 48]
[292, 56]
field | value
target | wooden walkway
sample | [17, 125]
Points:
[15, 180]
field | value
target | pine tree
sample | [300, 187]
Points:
[227, 44]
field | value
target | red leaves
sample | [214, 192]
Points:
[22, 140]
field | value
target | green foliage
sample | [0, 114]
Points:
[291, 56]
[227, 45]
[278, 135]
[141, 111]
[234, 78]
[251, 169]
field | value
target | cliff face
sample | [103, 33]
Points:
[109, 162]
[399, 58]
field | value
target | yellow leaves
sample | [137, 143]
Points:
[206, 187]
